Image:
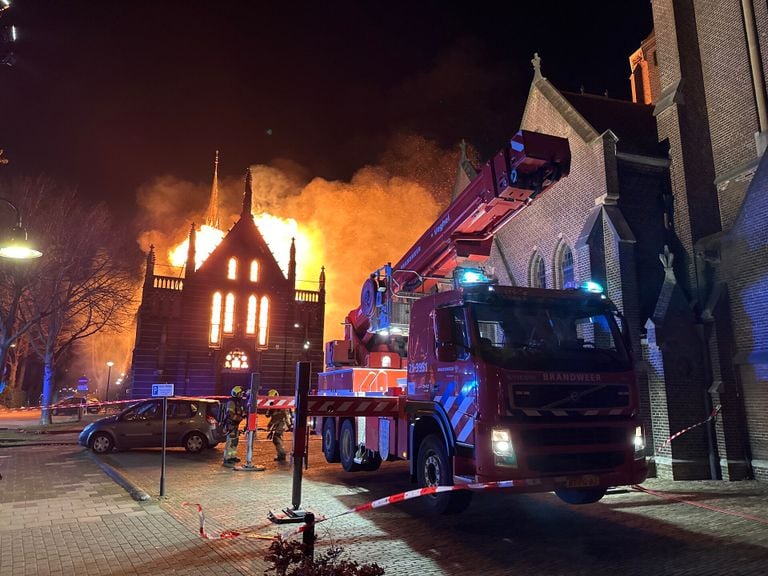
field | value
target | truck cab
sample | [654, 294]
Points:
[524, 384]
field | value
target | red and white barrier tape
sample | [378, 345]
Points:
[712, 416]
[228, 534]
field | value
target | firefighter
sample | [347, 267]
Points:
[233, 415]
[280, 420]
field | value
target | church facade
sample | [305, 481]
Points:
[666, 205]
[236, 315]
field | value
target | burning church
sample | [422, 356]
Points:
[232, 314]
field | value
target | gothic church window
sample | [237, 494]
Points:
[232, 269]
[263, 320]
[254, 270]
[537, 273]
[566, 277]
[250, 321]
[229, 313]
[236, 360]
[215, 334]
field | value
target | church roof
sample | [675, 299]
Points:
[633, 124]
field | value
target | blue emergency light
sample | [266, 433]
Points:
[591, 286]
[464, 276]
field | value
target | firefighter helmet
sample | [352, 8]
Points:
[273, 392]
[237, 391]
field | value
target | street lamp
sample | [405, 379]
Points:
[17, 246]
[109, 374]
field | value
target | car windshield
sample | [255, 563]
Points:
[549, 334]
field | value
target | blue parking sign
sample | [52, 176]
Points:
[162, 390]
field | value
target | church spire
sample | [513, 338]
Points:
[150, 272]
[248, 196]
[190, 266]
[212, 219]
[292, 264]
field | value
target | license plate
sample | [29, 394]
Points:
[585, 481]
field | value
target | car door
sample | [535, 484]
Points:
[141, 426]
[180, 421]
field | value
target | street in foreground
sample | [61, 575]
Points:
[63, 515]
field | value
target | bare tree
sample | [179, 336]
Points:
[86, 283]
[16, 280]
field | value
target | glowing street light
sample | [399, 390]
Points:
[109, 375]
[17, 246]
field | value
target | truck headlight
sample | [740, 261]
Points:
[639, 441]
[501, 444]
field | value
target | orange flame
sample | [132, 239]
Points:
[277, 232]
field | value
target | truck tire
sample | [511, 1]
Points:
[330, 442]
[582, 496]
[348, 446]
[434, 468]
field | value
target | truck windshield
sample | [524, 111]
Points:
[572, 335]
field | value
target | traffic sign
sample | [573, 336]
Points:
[162, 390]
[82, 384]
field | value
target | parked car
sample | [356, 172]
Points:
[192, 423]
[71, 405]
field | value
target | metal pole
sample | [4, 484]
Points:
[300, 430]
[162, 453]
[109, 376]
[308, 536]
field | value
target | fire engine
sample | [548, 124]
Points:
[475, 382]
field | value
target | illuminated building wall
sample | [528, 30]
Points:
[235, 315]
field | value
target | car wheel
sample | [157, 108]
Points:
[330, 443]
[348, 447]
[583, 496]
[101, 443]
[434, 468]
[194, 442]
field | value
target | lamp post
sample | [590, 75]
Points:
[109, 375]
[17, 246]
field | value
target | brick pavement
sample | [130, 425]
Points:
[62, 515]
[628, 532]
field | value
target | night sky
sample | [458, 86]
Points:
[108, 95]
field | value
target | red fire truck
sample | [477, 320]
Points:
[474, 382]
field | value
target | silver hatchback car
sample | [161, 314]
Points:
[191, 423]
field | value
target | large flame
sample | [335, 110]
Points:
[277, 233]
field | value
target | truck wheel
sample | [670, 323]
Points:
[330, 443]
[348, 446]
[584, 496]
[434, 468]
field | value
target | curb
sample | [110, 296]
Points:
[134, 491]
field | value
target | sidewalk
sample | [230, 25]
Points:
[62, 515]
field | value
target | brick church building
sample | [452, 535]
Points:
[667, 206]
[236, 314]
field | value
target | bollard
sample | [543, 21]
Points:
[308, 536]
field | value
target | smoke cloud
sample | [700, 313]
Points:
[351, 228]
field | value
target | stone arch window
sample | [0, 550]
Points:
[254, 270]
[263, 320]
[236, 360]
[214, 337]
[232, 269]
[537, 272]
[250, 319]
[229, 313]
[566, 277]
